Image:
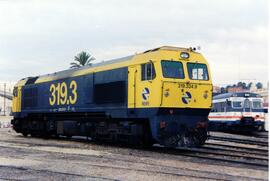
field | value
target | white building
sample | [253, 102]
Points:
[4, 102]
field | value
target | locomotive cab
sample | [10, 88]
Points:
[171, 80]
[177, 87]
[187, 89]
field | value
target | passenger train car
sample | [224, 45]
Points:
[160, 96]
[241, 111]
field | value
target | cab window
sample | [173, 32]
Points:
[197, 71]
[220, 107]
[172, 69]
[148, 71]
[257, 104]
[237, 104]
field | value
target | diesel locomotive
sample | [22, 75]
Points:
[162, 95]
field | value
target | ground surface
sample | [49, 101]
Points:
[28, 158]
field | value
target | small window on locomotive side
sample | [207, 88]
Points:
[148, 71]
[15, 91]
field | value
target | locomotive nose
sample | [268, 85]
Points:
[173, 128]
[202, 124]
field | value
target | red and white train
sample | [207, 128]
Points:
[241, 111]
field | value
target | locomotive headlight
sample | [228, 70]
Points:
[205, 95]
[184, 55]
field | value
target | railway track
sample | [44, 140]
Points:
[220, 156]
[260, 135]
[210, 152]
[219, 153]
[231, 160]
[149, 166]
[170, 171]
[231, 149]
[238, 149]
[238, 140]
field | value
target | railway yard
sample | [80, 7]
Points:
[224, 157]
[134, 90]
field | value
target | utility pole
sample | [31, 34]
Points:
[4, 99]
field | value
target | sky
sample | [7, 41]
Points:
[39, 37]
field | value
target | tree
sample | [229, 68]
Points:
[244, 85]
[82, 59]
[240, 84]
[259, 85]
[227, 87]
[223, 90]
[249, 85]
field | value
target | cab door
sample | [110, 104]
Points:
[148, 91]
[132, 74]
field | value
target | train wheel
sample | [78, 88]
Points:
[202, 136]
[198, 137]
[261, 128]
[25, 134]
[57, 136]
[68, 136]
[147, 140]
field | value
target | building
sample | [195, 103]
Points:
[216, 89]
[264, 94]
[237, 89]
[7, 104]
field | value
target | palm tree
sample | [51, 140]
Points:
[82, 59]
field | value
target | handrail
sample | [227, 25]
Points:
[6, 94]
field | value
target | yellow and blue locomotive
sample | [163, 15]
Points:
[160, 96]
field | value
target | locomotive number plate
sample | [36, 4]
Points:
[188, 86]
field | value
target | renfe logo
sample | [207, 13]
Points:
[186, 98]
[145, 94]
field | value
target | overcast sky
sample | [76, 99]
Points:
[39, 37]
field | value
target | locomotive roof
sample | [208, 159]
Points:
[235, 94]
[69, 72]
[108, 62]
